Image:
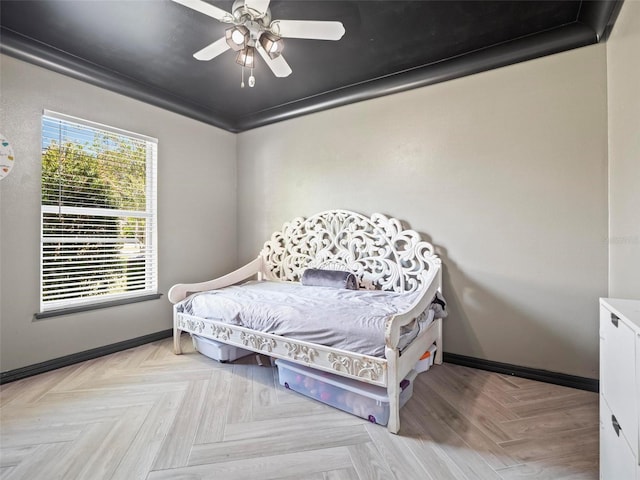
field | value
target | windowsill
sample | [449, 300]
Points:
[95, 306]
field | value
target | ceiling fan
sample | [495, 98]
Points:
[253, 30]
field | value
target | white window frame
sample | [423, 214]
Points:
[150, 286]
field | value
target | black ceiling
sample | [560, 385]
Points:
[144, 49]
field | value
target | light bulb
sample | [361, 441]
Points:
[237, 37]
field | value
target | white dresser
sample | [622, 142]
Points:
[619, 389]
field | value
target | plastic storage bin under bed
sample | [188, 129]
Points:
[426, 361]
[217, 350]
[362, 399]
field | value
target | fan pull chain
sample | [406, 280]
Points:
[252, 79]
[242, 82]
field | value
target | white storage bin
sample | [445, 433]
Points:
[426, 361]
[362, 399]
[218, 351]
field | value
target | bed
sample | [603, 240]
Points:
[374, 334]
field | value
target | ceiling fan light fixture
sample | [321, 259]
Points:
[252, 28]
[272, 44]
[237, 37]
[246, 57]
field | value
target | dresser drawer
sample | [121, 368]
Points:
[618, 373]
[617, 461]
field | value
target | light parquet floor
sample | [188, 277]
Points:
[145, 413]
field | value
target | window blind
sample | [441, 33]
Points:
[99, 218]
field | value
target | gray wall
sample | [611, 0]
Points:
[504, 171]
[623, 84]
[196, 219]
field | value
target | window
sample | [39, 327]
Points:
[98, 214]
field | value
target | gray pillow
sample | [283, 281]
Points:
[315, 277]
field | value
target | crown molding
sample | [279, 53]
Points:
[527, 48]
[600, 16]
[593, 25]
[42, 55]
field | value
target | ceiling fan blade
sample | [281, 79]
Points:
[207, 9]
[316, 30]
[257, 5]
[278, 65]
[212, 51]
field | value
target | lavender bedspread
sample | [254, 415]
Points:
[352, 320]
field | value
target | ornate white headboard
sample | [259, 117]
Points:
[378, 250]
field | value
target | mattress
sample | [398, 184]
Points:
[351, 320]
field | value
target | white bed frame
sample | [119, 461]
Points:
[381, 254]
